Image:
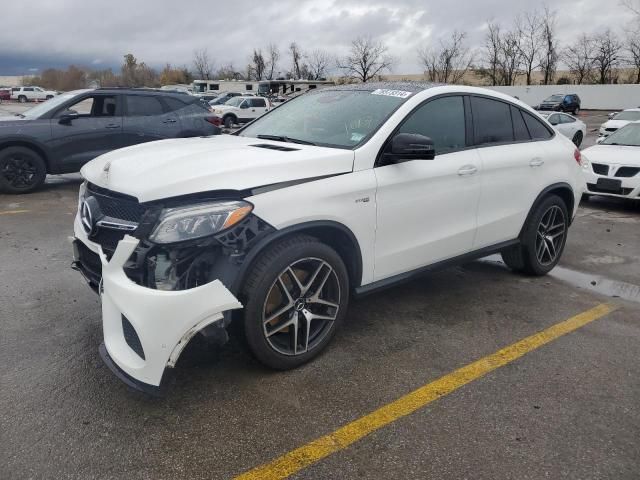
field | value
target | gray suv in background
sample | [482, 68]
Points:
[62, 134]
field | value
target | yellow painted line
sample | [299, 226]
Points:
[13, 212]
[316, 450]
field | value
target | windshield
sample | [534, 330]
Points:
[631, 115]
[49, 105]
[629, 135]
[234, 102]
[331, 118]
[220, 100]
[199, 87]
[554, 98]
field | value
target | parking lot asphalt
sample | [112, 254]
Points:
[568, 409]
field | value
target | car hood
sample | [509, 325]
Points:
[615, 123]
[613, 154]
[225, 108]
[170, 168]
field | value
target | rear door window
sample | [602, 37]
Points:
[143, 106]
[492, 121]
[173, 103]
[258, 102]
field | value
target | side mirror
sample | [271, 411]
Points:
[611, 115]
[599, 140]
[411, 146]
[67, 117]
[244, 105]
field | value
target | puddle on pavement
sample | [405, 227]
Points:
[588, 281]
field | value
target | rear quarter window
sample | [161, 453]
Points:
[143, 106]
[537, 129]
[174, 104]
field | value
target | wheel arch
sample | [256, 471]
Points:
[562, 190]
[336, 235]
[31, 145]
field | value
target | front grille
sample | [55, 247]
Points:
[592, 187]
[89, 263]
[115, 207]
[627, 171]
[131, 337]
[600, 169]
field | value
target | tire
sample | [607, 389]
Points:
[22, 99]
[228, 121]
[576, 110]
[586, 197]
[541, 245]
[577, 139]
[21, 170]
[49, 97]
[272, 342]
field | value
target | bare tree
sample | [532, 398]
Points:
[633, 49]
[548, 54]
[366, 59]
[578, 57]
[449, 62]
[272, 60]
[633, 6]
[529, 29]
[228, 71]
[492, 47]
[606, 55]
[202, 64]
[296, 59]
[318, 62]
[258, 66]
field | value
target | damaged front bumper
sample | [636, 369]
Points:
[145, 329]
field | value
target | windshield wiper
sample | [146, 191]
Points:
[283, 138]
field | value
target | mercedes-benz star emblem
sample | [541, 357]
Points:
[86, 217]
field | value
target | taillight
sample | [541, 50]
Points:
[217, 121]
[578, 156]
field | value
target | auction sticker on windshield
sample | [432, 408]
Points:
[391, 93]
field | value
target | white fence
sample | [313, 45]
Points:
[593, 97]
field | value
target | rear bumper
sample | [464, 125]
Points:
[145, 330]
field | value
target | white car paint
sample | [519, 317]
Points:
[608, 160]
[243, 109]
[610, 126]
[31, 93]
[404, 216]
[566, 124]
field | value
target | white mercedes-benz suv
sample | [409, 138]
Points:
[340, 191]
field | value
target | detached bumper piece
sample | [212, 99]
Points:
[128, 380]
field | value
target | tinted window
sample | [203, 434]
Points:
[258, 102]
[142, 106]
[442, 120]
[554, 119]
[536, 128]
[173, 103]
[28, 89]
[520, 131]
[214, 86]
[566, 119]
[492, 120]
[249, 87]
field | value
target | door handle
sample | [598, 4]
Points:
[169, 120]
[113, 125]
[467, 170]
[536, 162]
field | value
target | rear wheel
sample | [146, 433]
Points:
[576, 110]
[295, 297]
[543, 239]
[21, 170]
[577, 139]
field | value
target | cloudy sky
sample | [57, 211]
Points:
[86, 32]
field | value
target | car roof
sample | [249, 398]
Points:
[141, 91]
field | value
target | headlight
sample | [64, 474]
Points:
[82, 192]
[197, 221]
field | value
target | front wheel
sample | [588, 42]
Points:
[22, 99]
[21, 170]
[228, 121]
[295, 298]
[576, 111]
[543, 239]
